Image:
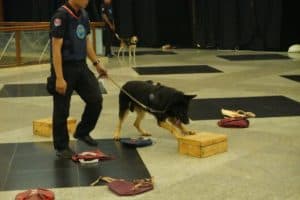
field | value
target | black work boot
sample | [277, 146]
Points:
[65, 154]
[88, 140]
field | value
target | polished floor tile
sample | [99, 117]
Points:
[252, 57]
[34, 165]
[30, 90]
[42, 178]
[292, 77]
[269, 106]
[181, 69]
[262, 161]
[7, 152]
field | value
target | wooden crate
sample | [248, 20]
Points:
[202, 144]
[43, 127]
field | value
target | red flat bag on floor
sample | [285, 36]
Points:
[38, 194]
[238, 122]
[127, 188]
[91, 157]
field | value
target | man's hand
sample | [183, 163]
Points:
[61, 86]
[101, 71]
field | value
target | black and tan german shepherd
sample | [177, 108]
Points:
[168, 105]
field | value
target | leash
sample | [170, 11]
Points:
[117, 36]
[134, 99]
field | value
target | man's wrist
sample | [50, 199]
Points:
[59, 78]
[96, 62]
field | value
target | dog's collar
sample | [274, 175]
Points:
[147, 108]
[129, 43]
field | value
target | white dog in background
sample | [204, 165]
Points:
[130, 44]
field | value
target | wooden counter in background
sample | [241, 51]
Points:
[18, 27]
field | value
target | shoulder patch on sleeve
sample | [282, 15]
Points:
[57, 22]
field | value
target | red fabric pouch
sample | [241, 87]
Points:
[238, 122]
[127, 188]
[91, 156]
[38, 194]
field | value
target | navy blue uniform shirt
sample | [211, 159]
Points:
[108, 11]
[73, 27]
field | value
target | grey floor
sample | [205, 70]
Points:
[263, 161]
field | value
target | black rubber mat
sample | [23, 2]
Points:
[34, 165]
[292, 77]
[30, 90]
[268, 106]
[155, 53]
[246, 57]
[187, 69]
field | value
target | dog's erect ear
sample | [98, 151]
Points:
[190, 97]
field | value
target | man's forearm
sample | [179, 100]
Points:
[57, 62]
[93, 57]
[107, 21]
[90, 51]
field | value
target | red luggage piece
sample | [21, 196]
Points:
[126, 188]
[38, 194]
[238, 122]
[91, 157]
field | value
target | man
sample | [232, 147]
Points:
[110, 29]
[70, 45]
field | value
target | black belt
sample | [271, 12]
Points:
[67, 62]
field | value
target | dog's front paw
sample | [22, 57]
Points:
[192, 132]
[117, 136]
[146, 134]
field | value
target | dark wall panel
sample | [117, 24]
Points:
[1, 11]
[228, 24]
[207, 13]
[260, 24]
[274, 24]
[145, 22]
[244, 24]
[290, 32]
[154, 22]
[30, 10]
[174, 22]
[94, 10]
[124, 17]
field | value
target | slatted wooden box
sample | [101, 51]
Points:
[202, 144]
[43, 127]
